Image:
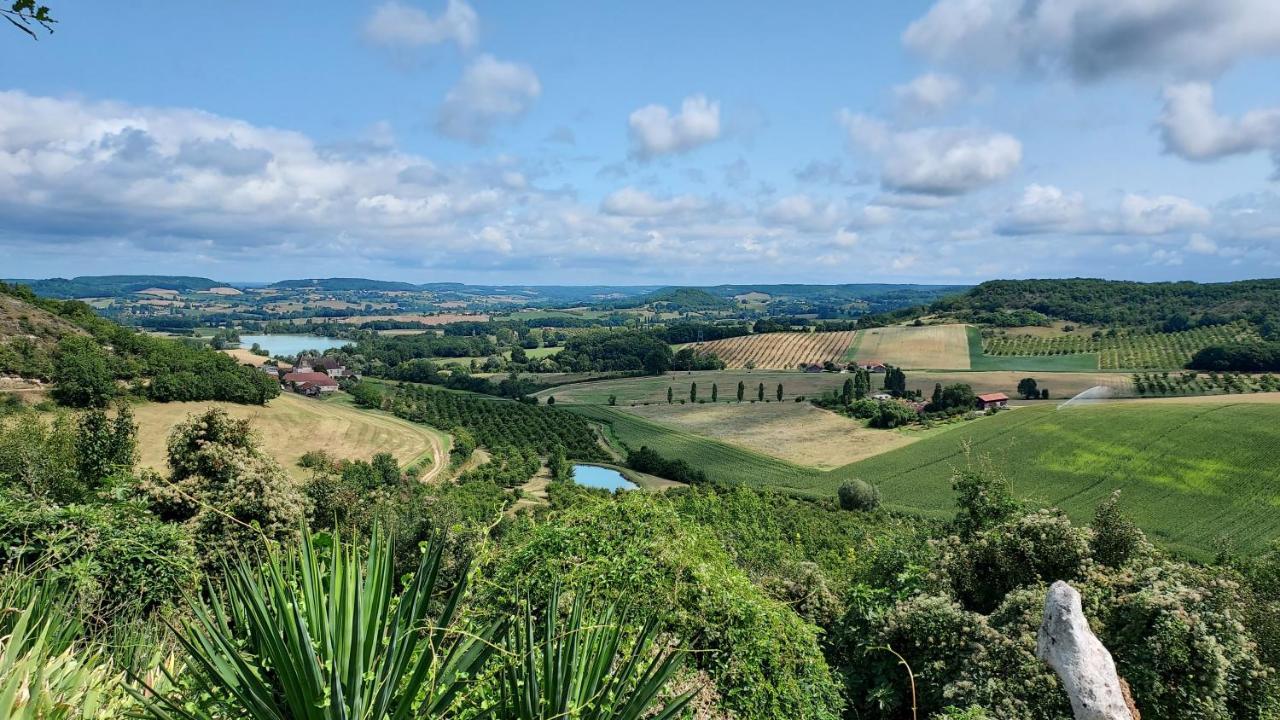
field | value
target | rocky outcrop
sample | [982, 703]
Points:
[1083, 664]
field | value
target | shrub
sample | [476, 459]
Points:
[1116, 539]
[891, 414]
[859, 495]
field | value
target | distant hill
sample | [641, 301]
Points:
[1171, 305]
[344, 285]
[684, 299]
[88, 286]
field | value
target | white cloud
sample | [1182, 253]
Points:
[490, 91]
[1091, 39]
[1193, 129]
[934, 161]
[1201, 245]
[656, 131]
[398, 25]
[1045, 209]
[929, 93]
[633, 202]
[802, 213]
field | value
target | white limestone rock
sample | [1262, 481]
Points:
[1083, 664]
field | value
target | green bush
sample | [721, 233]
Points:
[765, 660]
[858, 495]
[115, 561]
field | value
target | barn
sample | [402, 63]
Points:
[992, 400]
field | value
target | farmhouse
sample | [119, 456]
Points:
[329, 366]
[309, 383]
[812, 368]
[874, 366]
[992, 400]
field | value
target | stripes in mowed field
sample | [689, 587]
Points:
[781, 350]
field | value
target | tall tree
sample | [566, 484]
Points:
[760, 392]
[742, 388]
[846, 392]
[779, 392]
[715, 392]
[670, 396]
[936, 400]
[81, 374]
[693, 392]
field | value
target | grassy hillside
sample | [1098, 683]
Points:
[292, 425]
[1192, 471]
[28, 335]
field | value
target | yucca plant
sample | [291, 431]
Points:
[306, 637]
[583, 669]
[45, 674]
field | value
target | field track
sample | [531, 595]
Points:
[291, 425]
[781, 351]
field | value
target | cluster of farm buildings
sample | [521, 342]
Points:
[311, 376]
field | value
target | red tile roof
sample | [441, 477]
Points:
[311, 378]
[993, 397]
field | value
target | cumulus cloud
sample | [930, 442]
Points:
[398, 25]
[938, 162]
[655, 130]
[1045, 209]
[1092, 39]
[802, 213]
[928, 93]
[490, 91]
[1191, 128]
[633, 202]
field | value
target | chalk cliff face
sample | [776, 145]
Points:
[1083, 664]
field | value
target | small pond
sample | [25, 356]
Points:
[291, 344]
[601, 477]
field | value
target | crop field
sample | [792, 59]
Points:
[1124, 351]
[291, 425]
[1191, 471]
[721, 461]
[979, 360]
[781, 351]
[941, 347]
[796, 432]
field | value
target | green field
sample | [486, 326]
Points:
[1191, 473]
[978, 360]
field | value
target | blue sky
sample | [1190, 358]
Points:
[564, 142]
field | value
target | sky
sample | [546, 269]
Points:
[560, 142]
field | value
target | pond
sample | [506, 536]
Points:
[291, 344]
[601, 477]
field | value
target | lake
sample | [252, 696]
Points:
[291, 344]
[601, 477]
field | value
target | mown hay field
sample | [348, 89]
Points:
[781, 351]
[291, 425]
[796, 432]
[939, 347]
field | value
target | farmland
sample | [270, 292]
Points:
[943, 347]
[781, 350]
[1125, 350]
[1191, 471]
[653, 389]
[292, 425]
[796, 432]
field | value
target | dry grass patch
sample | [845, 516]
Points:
[944, 347]
[796, 432]
[292, 425]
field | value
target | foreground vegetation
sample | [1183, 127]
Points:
[225, 589]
